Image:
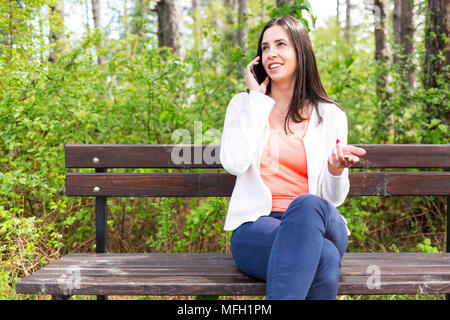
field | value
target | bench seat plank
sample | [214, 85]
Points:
[216, 274]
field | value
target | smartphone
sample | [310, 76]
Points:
[259, 73]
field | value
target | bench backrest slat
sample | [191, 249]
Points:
[221, 184]
[167, 156]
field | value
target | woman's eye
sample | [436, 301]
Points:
[281, 43]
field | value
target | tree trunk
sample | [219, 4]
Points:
[397, 23]
[382, 74]
[96, 13]
[230, 34]
[11, 32]
[56, 30]
[437, 55]
[195, 15]
[337, 12]
[348, 21]
[382, 50]
[170, 26]
[408, 36]
[242, 34]
[138, 19]
[404, 34]
[438, 25]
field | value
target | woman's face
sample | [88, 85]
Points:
[278, 55]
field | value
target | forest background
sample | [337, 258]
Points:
[148, 68]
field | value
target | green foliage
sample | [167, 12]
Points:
[202, 225]
[426, 246]
[143, 96]
[347, 77]
[205, 222]
[296, 8]
[165, 235]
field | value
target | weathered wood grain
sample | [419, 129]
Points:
[216, 274]
[222, 184]
[207, 156]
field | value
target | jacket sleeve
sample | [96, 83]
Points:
[245, 119]
[335, 188]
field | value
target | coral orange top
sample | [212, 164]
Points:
[284, 167]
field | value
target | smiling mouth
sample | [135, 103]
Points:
[275, 66]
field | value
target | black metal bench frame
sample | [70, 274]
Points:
[103, 273]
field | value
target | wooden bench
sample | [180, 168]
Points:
[175, 274]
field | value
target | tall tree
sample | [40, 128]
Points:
[96, 13]
[230, 34]
[337, 12]
[196, 18]
[56, 30]
[139, 17]
[383, 76]
[170, 21]
[382, 50]
[396, 19]
[242, 34]
[404, 35]
[348, 20]
[437, 55]
[11, 37]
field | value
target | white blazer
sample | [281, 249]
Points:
[244, 137]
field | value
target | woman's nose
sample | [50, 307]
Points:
[272, 52]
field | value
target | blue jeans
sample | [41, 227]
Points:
[298, 252]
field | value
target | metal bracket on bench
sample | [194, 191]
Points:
[448, 225]
[447, 249]
[100, 226]
[100, 229]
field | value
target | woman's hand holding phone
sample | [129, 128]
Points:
[251, 81]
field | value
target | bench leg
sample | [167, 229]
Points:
[447, 249]
[60, 297]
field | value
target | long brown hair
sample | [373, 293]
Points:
[308, 86]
